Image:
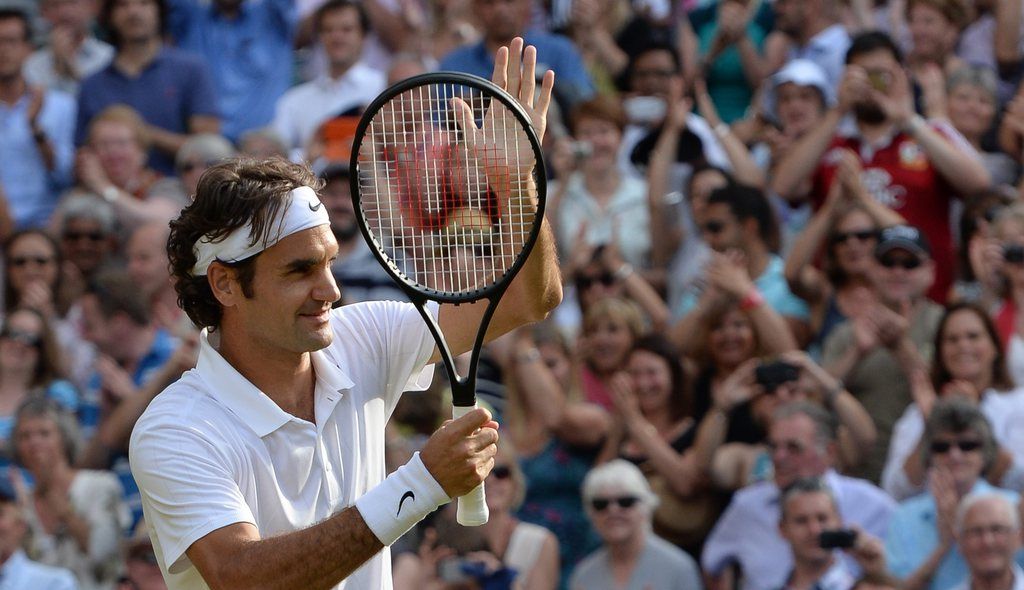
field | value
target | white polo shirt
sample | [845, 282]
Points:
[212, 450]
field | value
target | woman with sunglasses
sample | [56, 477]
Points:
[968, 364]
[621, 506]
[654, 429]
[846, 228]
[77, 516]
[30, 367]
[35, 277]
[956, 450]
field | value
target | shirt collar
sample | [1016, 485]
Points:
[15, 562]
[250, 404]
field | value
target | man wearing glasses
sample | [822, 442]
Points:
[988, 530]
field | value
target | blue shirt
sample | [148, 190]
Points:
[159, 353]
[914, 534]
[20, 572]
[554, 52]
[772, 285]
[32, 190]
[250, 56]
[170, 90]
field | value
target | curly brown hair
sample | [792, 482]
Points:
[230, 195]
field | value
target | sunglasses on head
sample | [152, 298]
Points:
[861, 236]
[602, 504]
[92, 236]
[585, 282]
[713, 227]
[941, 447]
[26, 338]
[501, 472]
[904, 263]
[19, 261]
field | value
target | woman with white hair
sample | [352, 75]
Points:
[620, 504]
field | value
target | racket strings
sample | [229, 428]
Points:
[451, 208]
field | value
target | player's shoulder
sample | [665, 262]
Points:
[186, 404]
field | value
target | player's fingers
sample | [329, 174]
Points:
[482, 439]
[515, 64]
[464, 118]
[544, 100]
[470, 423]
[500, 74]
[529, 76]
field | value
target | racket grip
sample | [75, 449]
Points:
[472, 509]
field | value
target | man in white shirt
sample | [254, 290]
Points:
[988, 533]
[341, 28]
[818, 35]
[250, 465]
[802, 438]
[73, 52]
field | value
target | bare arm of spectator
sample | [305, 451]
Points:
[862, 17]
[577, 423]
[733, 391]
[170, 142]
[681, 471]
[668, 230]
[6, 221]
[589, 31]
[943, 490]
[1008, 15]
[959, 165]
[1011, 131]
[744, 169]
[637, 287]
[802, 159]
[688, 46]
[850, 413]
[130, 211]
[43, 143]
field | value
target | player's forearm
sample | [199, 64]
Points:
[317, 557]
[801, 161]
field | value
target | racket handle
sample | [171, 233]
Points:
[472, 510]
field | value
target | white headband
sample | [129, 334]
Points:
[302, 211]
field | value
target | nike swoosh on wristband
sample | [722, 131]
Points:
[407, 494]
[314, 209]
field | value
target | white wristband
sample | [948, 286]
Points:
[400, 501]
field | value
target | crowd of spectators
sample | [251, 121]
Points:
[791, 232]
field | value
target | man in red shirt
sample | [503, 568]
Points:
[914, 166]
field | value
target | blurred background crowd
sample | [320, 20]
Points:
[791, 234]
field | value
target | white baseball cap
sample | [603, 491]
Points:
[802, 72]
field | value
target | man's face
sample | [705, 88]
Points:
[136, 20]
[804, 518]
[118, 149]
[337, 197]
[988, 540]
[796, 452]
[790, 16]
[799, 107]
[653, 74]
[147, 259]
[900, 275]
[720, 228]
[502, 20]
[73, 14]
[85, 245]
[292, 293]
[95, 327]
[342, 36]
[14, 48]
[881, 68]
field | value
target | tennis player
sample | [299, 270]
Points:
[263, 467]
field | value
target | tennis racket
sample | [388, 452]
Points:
[449, 190]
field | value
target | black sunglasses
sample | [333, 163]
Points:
[941, 447]
[20, 261]
[713, 227]
[92, 236]
[26, 338]
[602, 504]
[501, 472]
[904, 263]
[585, 282]
[861, 236]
